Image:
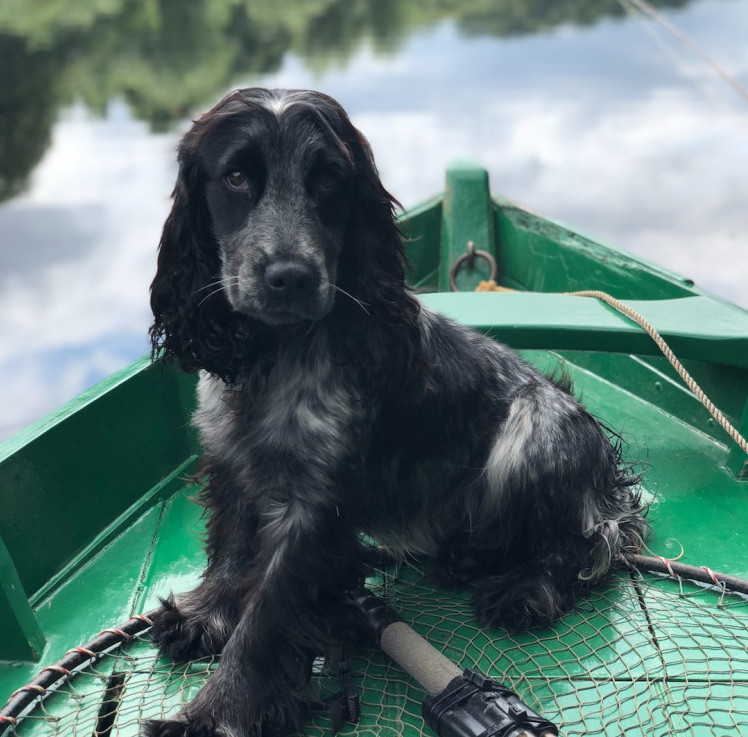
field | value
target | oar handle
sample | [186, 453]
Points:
[458, 703]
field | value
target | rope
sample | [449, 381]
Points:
[50, 678]
[677, 570]
[675, 363]
[623, 308]
[647, 9]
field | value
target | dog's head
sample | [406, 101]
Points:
[278, 217]
[277, 171]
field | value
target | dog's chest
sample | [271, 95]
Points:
[301, 414]
[304, 408]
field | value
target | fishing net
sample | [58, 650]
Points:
[643, 656]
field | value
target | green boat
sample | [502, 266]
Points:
[97, 519]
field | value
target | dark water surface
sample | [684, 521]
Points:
[586, 111]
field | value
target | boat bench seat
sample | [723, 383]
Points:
[699, 328]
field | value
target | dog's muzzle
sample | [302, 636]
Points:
[290, 281]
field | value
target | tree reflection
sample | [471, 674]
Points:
[28, 106]
[167, 58]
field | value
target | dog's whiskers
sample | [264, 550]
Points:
[208, 296]
[361, 304]
[222, 284]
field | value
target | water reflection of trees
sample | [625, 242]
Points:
[168, 57]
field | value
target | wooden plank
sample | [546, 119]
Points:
[120, 438]
[695, 327]
[540, 255]
[177, 560]
[467, 217]
[20, 635]
[100, 595]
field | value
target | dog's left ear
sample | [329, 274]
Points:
[373, 265]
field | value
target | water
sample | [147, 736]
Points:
[592, 115]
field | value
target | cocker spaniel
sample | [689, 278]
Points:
[331, 404]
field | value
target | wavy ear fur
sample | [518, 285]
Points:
[193, 322]
[372, 268]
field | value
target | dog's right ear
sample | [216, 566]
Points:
[193, 321]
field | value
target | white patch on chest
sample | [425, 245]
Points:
[211, 419]
[306, 409]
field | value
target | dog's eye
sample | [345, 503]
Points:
[324, 183]
[237, 181]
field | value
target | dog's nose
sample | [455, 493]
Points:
[290, 280]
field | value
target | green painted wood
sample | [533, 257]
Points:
[100, 594]
[68, 477]
[696, 327]
[421, 229]
[466, 218]
[653, 380]
[20, 635]
[540, 255]
[695, 501]
[163, 490]
[100, 459]
[737, 461]
[178, 557]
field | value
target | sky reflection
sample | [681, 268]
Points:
[624, 136]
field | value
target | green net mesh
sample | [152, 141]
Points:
[643, 656]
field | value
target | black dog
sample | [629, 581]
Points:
[331, 404]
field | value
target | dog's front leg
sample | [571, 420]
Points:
[305, 560]
[199, 622]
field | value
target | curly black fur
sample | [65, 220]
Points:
[330, 404]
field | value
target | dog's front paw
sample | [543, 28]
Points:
[180, 728]
[276, 721]
[182, 637]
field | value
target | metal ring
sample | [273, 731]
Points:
[470, 256]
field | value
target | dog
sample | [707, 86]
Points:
[331, 404]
